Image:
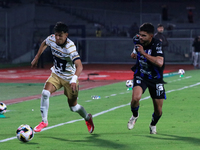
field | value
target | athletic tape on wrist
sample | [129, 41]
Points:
[134, 51]
[74, 78]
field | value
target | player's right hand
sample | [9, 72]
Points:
[133, 55]
[34, 63]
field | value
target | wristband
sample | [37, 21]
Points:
[134, 51]
[74, 79]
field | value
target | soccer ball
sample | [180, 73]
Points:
[3, 108]
[129, 83]
[181, 71]
[25, 133]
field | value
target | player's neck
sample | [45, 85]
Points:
[63, 45]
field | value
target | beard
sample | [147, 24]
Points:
[144, 43]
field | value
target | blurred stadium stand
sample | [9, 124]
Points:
[24, 22]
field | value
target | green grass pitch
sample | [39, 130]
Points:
[178, 128]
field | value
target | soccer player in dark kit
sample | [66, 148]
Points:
[148, 73]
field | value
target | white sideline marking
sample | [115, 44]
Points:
[103, 112]
[180, 79]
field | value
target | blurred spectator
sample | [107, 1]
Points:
[159, 35]
[133, 30]
[190, 16]
[196, 45]
[98, 32]
[115, 30]
[4, 4]
[170, 28]
[164, 12]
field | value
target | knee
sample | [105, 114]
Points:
[135, 98]
[75, 108]
[46, 94]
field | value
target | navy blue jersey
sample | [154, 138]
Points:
[147, 70]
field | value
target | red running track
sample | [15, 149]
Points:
[107, 74]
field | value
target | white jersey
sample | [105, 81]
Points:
[63, 58]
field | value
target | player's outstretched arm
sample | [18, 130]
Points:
[79, 67]
[34, 62]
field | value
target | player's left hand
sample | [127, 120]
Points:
[73, 86]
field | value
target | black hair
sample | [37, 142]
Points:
[147, 27]
[160, 25]
[61, 27]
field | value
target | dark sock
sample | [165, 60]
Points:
[135, 111]
[155, 119]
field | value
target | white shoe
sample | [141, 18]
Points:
[132, 122]
[152, 129]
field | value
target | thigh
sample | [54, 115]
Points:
[140, 84]
[157, 91]
[137, 93]
[53, 83]
[71, 95]
[198, 56]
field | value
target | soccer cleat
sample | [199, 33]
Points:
[90, 124]
[152, 129]
[132, 122]
[39, 127]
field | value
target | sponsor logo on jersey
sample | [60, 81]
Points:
[56, 52]
[159, 87]
[159, 49]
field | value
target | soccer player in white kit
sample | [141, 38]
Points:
[65, 72]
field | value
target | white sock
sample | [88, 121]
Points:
[44, 105]
[80, 110]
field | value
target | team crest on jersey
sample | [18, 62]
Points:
[138, 81]
[149, 51]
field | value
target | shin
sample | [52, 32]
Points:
[80, 110]
[44, 104]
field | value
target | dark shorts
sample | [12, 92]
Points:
[156, 90]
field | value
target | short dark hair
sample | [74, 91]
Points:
[160, 25]
[60, 27]
[147, 27]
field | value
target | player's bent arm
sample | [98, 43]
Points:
[158, 60]
[43, 46]
[79, 67]
[134, 54]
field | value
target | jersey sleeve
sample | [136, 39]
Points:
[49, 39]
[73, 53]
[158, 49]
